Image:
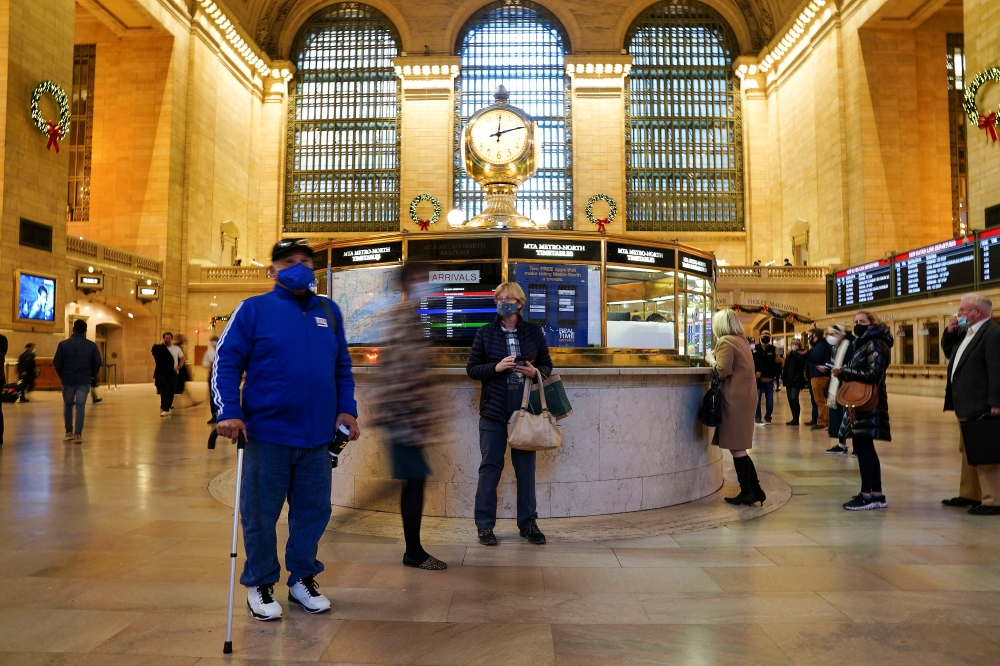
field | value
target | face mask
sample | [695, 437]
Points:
[795, 348]
[859, 330]
[753, 346]
[297, 277]
[832, 340]
[765, 341]
[963, 322]
[505, 309]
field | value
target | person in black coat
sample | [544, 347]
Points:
[503, 354]
[767, 367]
[794, 377]
[77, 361]
[3, 352]
[27, 369]
[868, 365]
[819, 376]
[165, 372]
[972, 344]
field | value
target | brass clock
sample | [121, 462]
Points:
[500, 150]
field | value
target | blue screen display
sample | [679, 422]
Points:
[36, 298]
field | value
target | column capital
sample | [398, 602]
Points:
[427, 67]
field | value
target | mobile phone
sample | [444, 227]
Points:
[520, 360]
[567, 304]
[538, 296]
[339, 442]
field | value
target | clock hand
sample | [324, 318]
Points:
[498, 129]
[512, 129]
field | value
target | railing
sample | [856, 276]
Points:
[79, 247]
[773, 272]
[230, 273]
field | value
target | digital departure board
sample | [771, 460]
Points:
[942, 267]
[458, 302]
[989, 255]
[865, 284]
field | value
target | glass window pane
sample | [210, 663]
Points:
[684, 159]
[80, 140]
[522, 47]
[343, 155]
[641, 308]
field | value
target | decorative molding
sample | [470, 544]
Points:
[796, 36]
[227, 33]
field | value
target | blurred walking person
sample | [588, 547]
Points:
[733, 360]
[409, 410]
[168, 359]
[767, 367]
[819, 376]
[77, 362]
[27, 370]
[208, 362]
[868, 365]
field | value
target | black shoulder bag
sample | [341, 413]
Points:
[711, 405]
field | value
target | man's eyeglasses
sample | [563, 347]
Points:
[288, 242]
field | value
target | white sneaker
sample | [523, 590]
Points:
[306, 593]
[162, 414]
[260, 601]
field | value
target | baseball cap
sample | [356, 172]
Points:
[288, 246]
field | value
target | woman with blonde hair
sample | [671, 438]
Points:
[733, 361]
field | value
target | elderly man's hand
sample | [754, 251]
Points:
[351, 423]
[231, 429]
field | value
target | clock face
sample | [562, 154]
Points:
[499, 136]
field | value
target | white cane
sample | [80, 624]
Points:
[241, 443]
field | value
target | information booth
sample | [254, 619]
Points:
[627, 324]
[593, 295]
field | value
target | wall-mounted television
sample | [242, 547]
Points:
[36, 297]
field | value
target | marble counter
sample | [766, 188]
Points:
[633, 442]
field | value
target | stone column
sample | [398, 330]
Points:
[427, 132]
[982, 50]
[763, 227]
[36, 44]
[598, 126]
[273, 155]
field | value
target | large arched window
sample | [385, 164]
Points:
[343, 128]
[523, 47]
[684, 147]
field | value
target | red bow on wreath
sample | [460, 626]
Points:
[600, 222]
[55, 133]
[424, 224]
[989, 124]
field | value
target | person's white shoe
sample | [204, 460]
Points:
[162, 414]
[306, 593]
[261, 602]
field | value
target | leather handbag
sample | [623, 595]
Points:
[711, 405]
[982, 441]
[533, 432]
[857, 396]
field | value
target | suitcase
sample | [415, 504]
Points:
[12, 392]
[982, 441]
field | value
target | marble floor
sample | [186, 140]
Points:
[114, 553]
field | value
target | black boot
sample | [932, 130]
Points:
[745, 477]
[758, 492]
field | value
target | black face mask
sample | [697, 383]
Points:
[765, 341]
[859, 330]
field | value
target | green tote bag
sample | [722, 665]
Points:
[555, 398]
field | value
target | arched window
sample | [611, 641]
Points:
[523, 47]
[343, 127]
[684, 143]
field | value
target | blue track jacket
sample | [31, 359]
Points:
[298, 370]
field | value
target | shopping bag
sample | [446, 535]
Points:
[555, 398]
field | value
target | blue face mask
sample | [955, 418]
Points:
[505, 309]
[963, 322]
[298, 277]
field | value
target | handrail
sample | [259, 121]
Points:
[76, 246]
[773, 272]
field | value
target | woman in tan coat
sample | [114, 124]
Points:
[733, 360]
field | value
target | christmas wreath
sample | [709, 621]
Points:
[601, 222]
[54, 131]
[987, 123]
[425, 224]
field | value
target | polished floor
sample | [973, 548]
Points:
[114, 553]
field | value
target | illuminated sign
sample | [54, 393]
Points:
[861, 285]
[366, 255]
[448, 277]
[942, 267]
[88, 281]
[694, 264]
[519, 248]
[638, 255]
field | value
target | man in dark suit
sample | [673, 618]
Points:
[972, 344]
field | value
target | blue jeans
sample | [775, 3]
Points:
[493, 446]
[767, 388]
[271, 474]
[75, 394]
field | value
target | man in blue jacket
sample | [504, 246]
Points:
[77, 362]
[289, 348]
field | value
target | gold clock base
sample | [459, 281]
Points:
[500, 211]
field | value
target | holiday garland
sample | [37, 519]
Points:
[793, 317]
[425, 224]
[987, 123]
[601, 221]
[53, 130]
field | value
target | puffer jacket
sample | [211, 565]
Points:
[794, 374]
[868, 364]
[489, 348]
